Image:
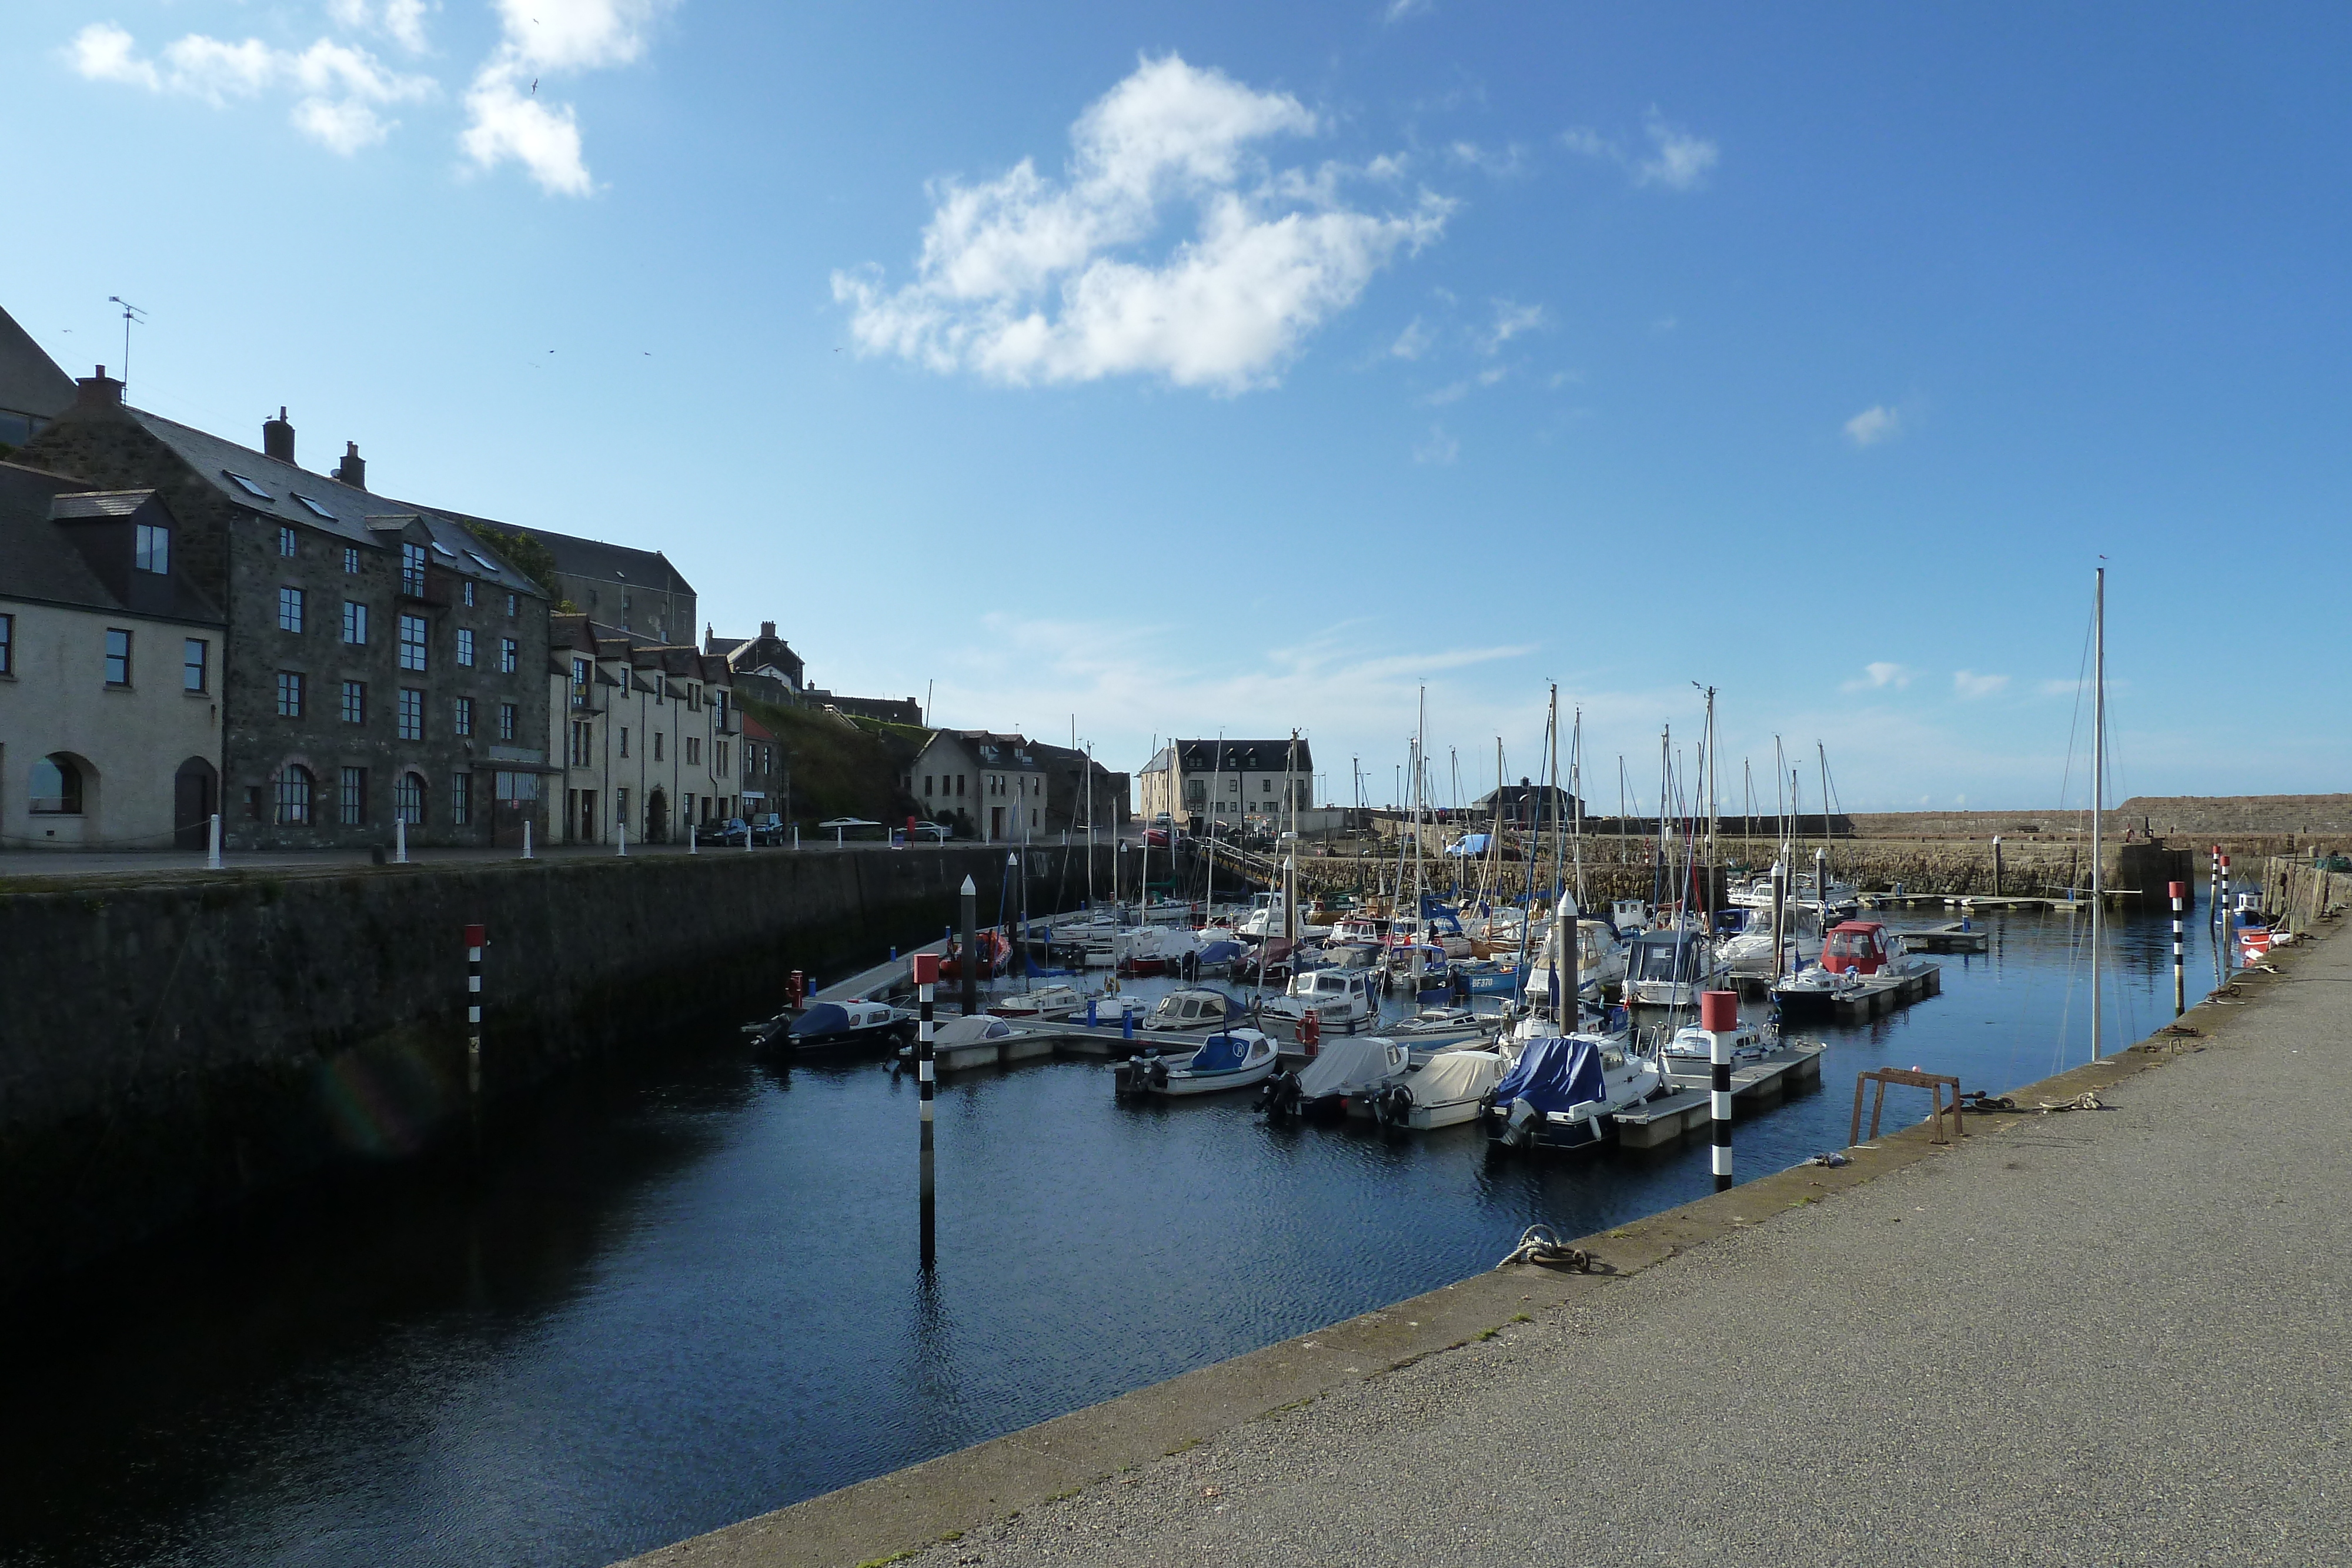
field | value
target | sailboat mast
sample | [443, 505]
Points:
[1419, 741]
[1712, 809]
[2098, 794]
[1552, 728]
[1823, 752]
[1575, 802]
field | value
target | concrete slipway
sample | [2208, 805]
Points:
[2111, 1336]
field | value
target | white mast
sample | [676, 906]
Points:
[2098, 792]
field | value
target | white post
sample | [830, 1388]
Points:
[747, 835]
[399, 840]
[796, 835]
[691, 835]
[213, 844]
[526, 839]
[621, 835]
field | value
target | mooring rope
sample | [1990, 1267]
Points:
[1540, 1244]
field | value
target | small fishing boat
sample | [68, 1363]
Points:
[1446, 1092]
[948, 1034]
[1563, 1092]
[1196, 1008]
[1056, 1001]
[1669, 968]
[830, 1026]
[1236, 1058]
[1339, 999]
[1344, 1071]
[1691, 1044]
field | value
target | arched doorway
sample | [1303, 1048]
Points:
[658, 818]
[196, 796]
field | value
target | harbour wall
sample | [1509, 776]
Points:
[174, 1044]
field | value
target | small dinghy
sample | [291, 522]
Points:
[1344, 1071]
[1237, 1058]
[1564, 1093]
[949, 1033]
[1445, 1093]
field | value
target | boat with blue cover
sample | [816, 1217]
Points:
[1564, 1091]
[830, 1026]
[1236, 1058]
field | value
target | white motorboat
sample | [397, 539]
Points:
[1446, 1093]
[948, 1034]
[1670, 968]
[1056, 1001]
[1192, 1008]
[1234, 1059]
[1564, 1093]
[1343, 1072]
[1339, 999]
[1601, 958]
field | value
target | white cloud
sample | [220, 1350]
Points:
[1452, 391]
[338, 90]
[1437, 447]
[401, 21]
[507, 121]
[1398, 10]
[1511, 319]
[1413, 342]
[1025, 278]
[1674, 158]
[1973, 685]
[1879, 675]
[1875, 424]
[1501, 162]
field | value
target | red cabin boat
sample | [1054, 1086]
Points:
[1856, 947]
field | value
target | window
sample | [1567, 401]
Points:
[315, 509]
[411, 570]
[355, 623]
[959, 784]
[469, 593]
[355, 702]
[288, 546]
[412, 642]
[289, 694]
[515, 788]
[193, 659]
[444, 550]
[657, 745]
[289, 610]
[621, 807]
[485, 562]
[719, 752]
[466, 645]
[294, 787]
[1265, 786]
[412, 714]
[511, 602]
[247, 486]
[509, 655]
[927, 786]
[118, 657]
[151, 551]
[351, 561]
[693, 750]
[461, 720]
[7, 645]
[625, 740]
[350, 798]
[506, 721]
[461, 798]
[57, 787]
[408, 800]
[581, 740]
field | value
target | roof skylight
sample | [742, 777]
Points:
[485, 562]
[247, 486]
[312, 504]
[440, 548]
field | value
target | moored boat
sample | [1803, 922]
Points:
[1235, 1058]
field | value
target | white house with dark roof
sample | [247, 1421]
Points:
[1229, 781]
[993, 787]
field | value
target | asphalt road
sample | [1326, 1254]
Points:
[2105, 1337]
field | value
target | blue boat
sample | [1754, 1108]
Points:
[1564, 1093]
[1236, 1058]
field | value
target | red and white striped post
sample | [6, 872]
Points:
[477, 938]
[1718, 1014]
[2179, 975]
[927, 982]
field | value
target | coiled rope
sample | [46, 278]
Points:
[1540, 1244]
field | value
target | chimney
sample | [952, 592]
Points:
[278, 437]
[351, 470]
[768, 630]
[98, 393]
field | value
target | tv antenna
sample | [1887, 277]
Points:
[131, 314]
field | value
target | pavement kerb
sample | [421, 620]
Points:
[896, 1515]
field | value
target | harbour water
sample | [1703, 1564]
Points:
[671, 1299]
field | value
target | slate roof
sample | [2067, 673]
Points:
[1233, 756]
[607, 562]
[39, 562]
[347, 510]
[31, 382]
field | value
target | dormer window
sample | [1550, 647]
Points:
[151, 551]
[412, 569]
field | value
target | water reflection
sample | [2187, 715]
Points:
[673, 1301]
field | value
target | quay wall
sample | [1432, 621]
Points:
[177, 1043]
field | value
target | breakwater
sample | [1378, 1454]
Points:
[176, 1043]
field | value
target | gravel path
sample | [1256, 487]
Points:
[2111, 1337]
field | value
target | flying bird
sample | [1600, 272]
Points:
[534, 86]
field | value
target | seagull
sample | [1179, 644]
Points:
[534, 86]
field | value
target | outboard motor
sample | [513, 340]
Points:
[1159, 1071]
[1520, 1131]
[1393, 1106]
[1279, 1098]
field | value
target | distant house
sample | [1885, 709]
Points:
[765, 665]
[1074, 782]
[1229, 781]
[1525, 805]
[647, 736]
[635, 591]
[993, 787]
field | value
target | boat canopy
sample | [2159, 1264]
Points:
[1454, 1075]
[824, 1018]
[1553, 1074]
[1664, 956]
[1347, 1065]
[1470, 844]
[1220, 1053]
[1220, 952]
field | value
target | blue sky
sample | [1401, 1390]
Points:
[1231, 367]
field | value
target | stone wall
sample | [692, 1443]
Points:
[172, 1046]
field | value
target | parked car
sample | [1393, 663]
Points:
[733, 831]
[1155, 838]
[938, 833]
[770, 828]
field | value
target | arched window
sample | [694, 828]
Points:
[57, 787]
[408, 800]
[294, 792]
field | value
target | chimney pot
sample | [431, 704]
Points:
[351, 470]
[278, 437]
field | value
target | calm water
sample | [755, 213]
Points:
[669, 1304]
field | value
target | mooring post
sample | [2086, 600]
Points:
[526, 839]
[2229, 918]
[1996, 865]
[212, 844]
[399, 840]
[2179, 975]
[477, 938]
[967, 970]
[691, 836]
[927, 978]
[2213, 917]
[621, 835]
[1718, 1014]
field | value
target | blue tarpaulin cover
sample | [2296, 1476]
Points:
[1554, 1074]
[824, 1018]
[1222, 1053]
[1220, 952]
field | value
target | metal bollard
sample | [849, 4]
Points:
[1092, 1022]
[213, 844]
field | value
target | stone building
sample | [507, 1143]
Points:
[109, 671]
[380, 661]
[643, 735]
[766, 664]
[1073, 781]
[992, 786]
[637, 592]
[767, 771]
[1229, 780]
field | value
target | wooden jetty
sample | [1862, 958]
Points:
[1955, 937]
[1875, 994]
[1756, 1085]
